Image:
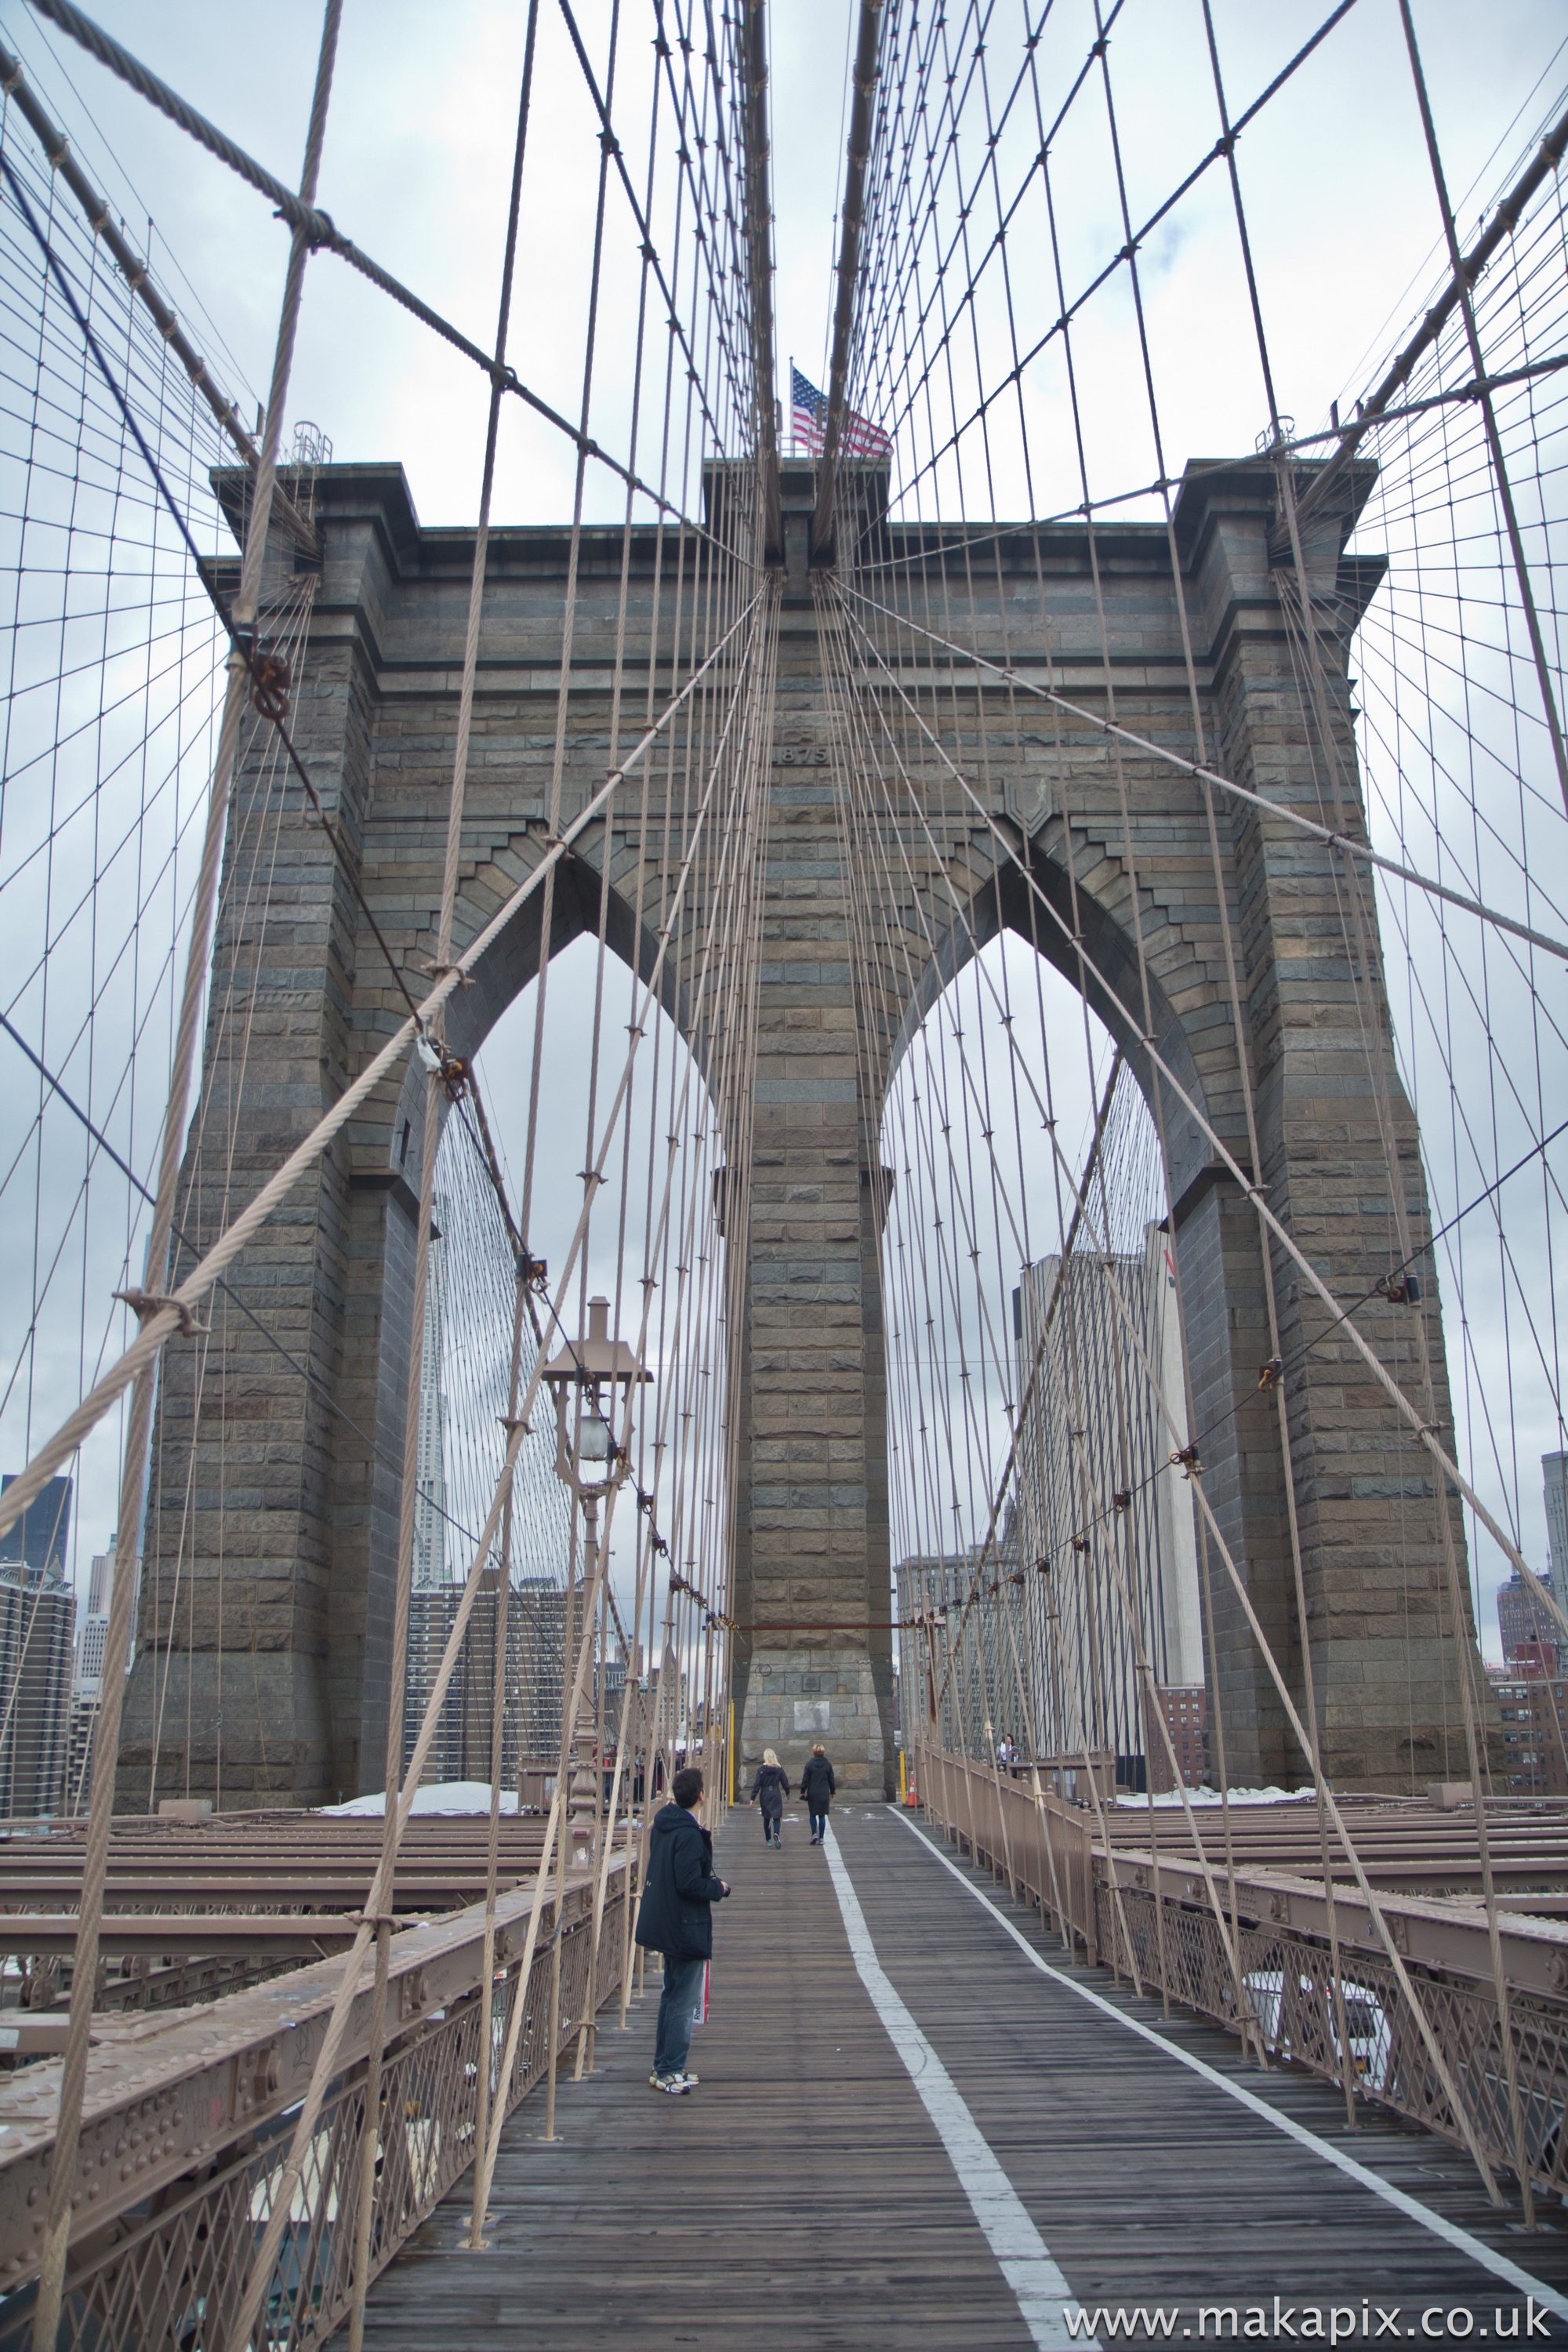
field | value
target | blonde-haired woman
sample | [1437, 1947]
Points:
[769, 1790]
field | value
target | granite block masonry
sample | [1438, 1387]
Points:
[263, 1659]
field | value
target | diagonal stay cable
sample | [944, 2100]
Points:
[1322, 833]
[612, 147]
[1203, 1433]
[243, 644]
[1125, 253]
[137, 277]
[322, 233]
[1402, 1403]
[158, 1327]
[312, 1378]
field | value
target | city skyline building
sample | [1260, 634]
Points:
[86, 1681]
[1186, 1709]
[535, 1649]
[40, 1539]
[37, 1625]
[100, 1581]
[1555, 1480]
[430, 1495]
[950, 1659]
[37, 1645]
[1532, 1700]
[1089, 1429]
[1524, 1617]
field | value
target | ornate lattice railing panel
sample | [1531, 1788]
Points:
[172, 2272]
[1054, 1859]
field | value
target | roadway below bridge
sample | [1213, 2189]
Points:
[912, 2136]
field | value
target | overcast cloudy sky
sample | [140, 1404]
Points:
[418, 155]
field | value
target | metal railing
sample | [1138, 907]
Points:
[168, 2269]
[1150, 1918]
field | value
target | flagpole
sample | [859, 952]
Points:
[792, 448]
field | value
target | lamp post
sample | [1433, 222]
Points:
[591, 1380]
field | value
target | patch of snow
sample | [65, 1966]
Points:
[439, 1797]
[1212, 1797]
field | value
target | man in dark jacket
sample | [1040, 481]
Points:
[819, 1788]
[676, 1917]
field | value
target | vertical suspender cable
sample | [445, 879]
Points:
[760, 260]
[138, 1425]
[433, 1098]
[868, 49]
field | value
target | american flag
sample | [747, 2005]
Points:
[808, 420]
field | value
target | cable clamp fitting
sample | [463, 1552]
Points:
[1271, 1374]
[533, 1273]
[1187, 1462]
[270, 678]
[146, 1303]
[450, 1069]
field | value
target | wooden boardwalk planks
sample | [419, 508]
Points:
[801, 2197]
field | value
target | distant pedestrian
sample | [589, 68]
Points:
[676, 1917]
[769, 1790]
[817, 1789]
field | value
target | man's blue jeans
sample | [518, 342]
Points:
[818, 1826]
[677, 2012]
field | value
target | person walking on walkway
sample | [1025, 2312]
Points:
[676, 1917]
[817, 1789]
[769, 1790]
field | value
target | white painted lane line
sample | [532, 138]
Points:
[1450, 2232]
[1021, 2251]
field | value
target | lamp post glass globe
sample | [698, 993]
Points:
[591, 1380]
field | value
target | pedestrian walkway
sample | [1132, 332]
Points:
[816, 2192]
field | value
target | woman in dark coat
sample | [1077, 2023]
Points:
[769, 1790]
[817, 1789]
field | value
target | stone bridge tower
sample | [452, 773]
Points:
[287, 1649]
